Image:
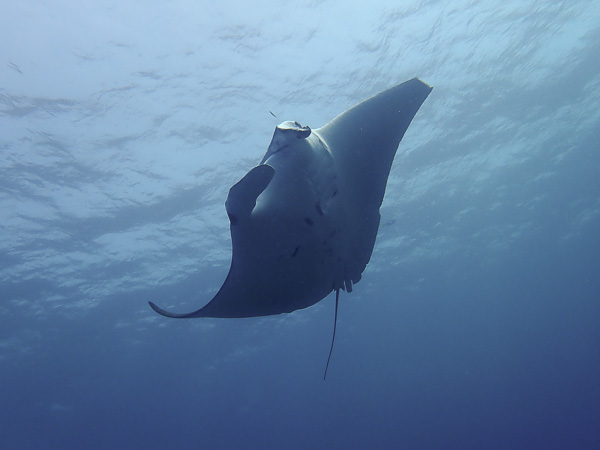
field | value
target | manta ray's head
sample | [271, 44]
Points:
[286, 133]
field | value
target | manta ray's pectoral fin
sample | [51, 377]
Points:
[242, 196]
[240, 203]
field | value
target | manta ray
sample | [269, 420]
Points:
[304, 220]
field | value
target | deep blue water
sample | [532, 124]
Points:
[123, 125]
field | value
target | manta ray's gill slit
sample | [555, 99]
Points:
[319, 209]
[309, 221]
[296, 251]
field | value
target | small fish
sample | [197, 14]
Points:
[13, 66]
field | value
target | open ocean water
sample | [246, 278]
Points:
[123, 124]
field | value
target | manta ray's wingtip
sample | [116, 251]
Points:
[419, 80]
[164, 312]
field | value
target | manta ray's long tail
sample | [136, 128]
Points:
[337, 298]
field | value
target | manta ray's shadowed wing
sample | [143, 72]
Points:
[240, 203]
[363, 141]
[304, 222]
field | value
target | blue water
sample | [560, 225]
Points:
[124, 123]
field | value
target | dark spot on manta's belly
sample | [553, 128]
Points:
[309, 221]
